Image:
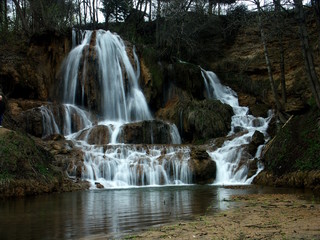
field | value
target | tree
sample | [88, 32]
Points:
[3, 16]
[316, 10]
[279, 107]
[307, 52]
[280, 28]
[116, 10]
[41, 15]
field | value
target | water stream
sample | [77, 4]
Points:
[98, 74]
[228, 156]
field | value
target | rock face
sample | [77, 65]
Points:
[203, 168]
[198, 120]
[88, 77]
[37, 118]
[30, 71]
[146, 132]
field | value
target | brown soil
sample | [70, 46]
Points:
[258, 216]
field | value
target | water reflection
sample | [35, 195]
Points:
[108, 213]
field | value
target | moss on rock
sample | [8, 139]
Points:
[25, 168]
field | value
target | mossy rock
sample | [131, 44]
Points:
[25, 168]
[296, 146]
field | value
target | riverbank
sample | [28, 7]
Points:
[255, 216]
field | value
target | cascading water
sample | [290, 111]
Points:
[228, 157]
[99, 76]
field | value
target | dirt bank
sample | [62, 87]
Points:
[257, 216]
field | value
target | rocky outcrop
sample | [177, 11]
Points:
[26, 168]
[41, 119]
[88, 77]
[68, 158]
[203, 168]
[30, 71]
[146, 132]
[198, 121]
[291, 158]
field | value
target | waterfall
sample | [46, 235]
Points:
[228, 157]
[101, 95]
[103, 100]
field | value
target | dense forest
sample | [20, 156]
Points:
[268, 51]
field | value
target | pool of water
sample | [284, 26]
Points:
[111, 213]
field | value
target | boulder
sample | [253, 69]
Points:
[256, 140]
[146, 132]
[198, 121]
[99, 185]
[98, 134]
[203, 168]
[252, 167]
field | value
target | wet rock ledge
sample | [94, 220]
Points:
[26, 168]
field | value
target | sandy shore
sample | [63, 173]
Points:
[256, 216]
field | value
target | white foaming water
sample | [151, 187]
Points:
[228, 157]
[122, 102]
[129, 165]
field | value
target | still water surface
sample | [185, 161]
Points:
[110, 213]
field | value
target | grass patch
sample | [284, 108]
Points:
[21, 158]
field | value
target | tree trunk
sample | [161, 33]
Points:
[280, 27]
[268, 63]
[150, 10]
[2, 16]
[316, 10]
[210, 8]
[23, 20]
[282, 71]
[307, 52]
[158, 23]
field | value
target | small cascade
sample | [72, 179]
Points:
[230, 167]
[175, 136]
[134, 165]
[48, 122]
[63, 119]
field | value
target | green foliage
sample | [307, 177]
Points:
[310, 160]
[150, 56]
[116, 9]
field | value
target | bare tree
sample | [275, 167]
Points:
[307, 52]
[280, 28]
[316, 10]
[263, 37]
[23, 19]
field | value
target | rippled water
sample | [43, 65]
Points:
[109, 214]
